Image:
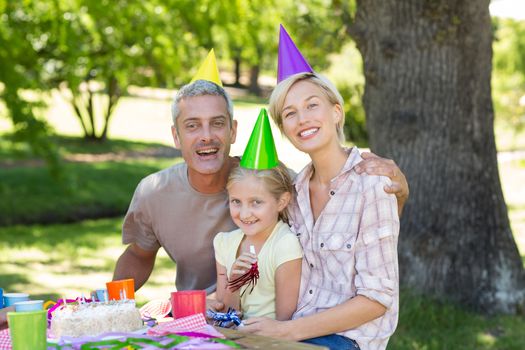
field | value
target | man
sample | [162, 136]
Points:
[183, 207]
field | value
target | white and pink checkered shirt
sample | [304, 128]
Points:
[350, 250]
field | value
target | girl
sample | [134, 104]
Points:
[347, 225]
[258, 201]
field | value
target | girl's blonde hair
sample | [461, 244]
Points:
[280, 92]
[276, 180]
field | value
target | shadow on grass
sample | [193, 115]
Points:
[8, 280]
[90, 190]
[12, 150]
[428, 324]
[11, 282]
[88, 234]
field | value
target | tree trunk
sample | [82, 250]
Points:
[237, 62]
[428, 103]
[254, 80]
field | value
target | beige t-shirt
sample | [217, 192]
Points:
[281, 246]
[166, 211]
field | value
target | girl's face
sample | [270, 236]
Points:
[253, 208]
[309, 118]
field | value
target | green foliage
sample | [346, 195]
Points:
[102, 189]
[247, 31]
[92, 50]
[17, 59]
[508, 78]
[355, 120]
[318, 28]
[101, 47]
[346, 71]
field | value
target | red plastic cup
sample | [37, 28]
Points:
[188, 302]
[121, 289]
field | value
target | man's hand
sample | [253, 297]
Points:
[375, 165]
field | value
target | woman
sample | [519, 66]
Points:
[347, 224]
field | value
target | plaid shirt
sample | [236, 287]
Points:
[350, 250]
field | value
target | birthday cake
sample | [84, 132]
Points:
[91, 319]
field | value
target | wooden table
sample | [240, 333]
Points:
[252, 341]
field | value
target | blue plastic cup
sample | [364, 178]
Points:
[30, 305]
[12, 298]
[1, 298]
[102, 294]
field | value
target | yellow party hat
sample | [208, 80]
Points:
[208, 70]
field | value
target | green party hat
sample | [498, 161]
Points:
[260, 153]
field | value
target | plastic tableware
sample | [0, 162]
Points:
[102, 294]
[12, 298]
[28, 329]
[29, 305]
[121, 289]
[157, 308]
[188, 302]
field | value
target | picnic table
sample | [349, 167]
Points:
[252, 341]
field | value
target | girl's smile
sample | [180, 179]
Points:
[253, 208]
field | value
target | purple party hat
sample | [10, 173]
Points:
[290, 60]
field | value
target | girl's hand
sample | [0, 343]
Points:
[242, 265]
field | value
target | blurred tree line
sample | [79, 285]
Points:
[92, 50]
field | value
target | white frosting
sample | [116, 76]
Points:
[95, 318]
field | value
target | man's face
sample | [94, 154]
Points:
[204, 133]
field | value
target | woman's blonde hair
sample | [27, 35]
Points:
[280, 92]
[277, 181]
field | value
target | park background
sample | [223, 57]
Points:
[64, 187]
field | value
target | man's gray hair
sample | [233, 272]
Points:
[200, 88]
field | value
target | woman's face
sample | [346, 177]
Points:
[309, 118]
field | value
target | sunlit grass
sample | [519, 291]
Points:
[431, 325]
[512, 175]
[51, 261]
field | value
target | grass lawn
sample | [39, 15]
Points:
[89, 190]
[429, 325]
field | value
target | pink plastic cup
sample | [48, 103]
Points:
[188, 302]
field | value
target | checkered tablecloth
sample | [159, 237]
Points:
[5, 339]
[188, 323]
[155, 308]
[195, 323]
